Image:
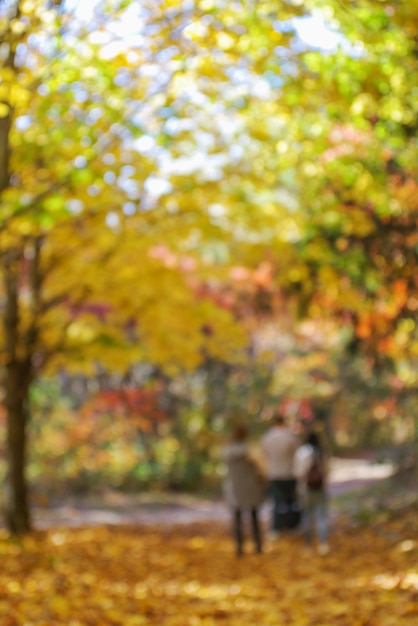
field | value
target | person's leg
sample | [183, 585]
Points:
[274, 495]
[283, 499]
[255, 525]
[307, 520]
[288, 491]
[238, 535]
[287, 512]
[322, 523]
[294, 508]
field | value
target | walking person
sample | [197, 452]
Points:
[243, 488]
[311, 470]
[279, 445]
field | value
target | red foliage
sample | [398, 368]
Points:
[127, 402]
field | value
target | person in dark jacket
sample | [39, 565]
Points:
[279, 445]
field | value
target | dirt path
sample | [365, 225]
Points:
[113, 508]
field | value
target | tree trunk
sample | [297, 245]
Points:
[17, 515]
[17, 379]
[18, 368]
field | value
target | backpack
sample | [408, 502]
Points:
[315, 475]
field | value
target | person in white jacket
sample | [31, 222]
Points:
[311, 470]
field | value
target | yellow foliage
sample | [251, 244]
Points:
[310, 140]
[359, 224]
[4, 109]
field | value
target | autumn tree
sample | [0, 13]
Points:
[360, 180]
[77, 190]
[332, 135]
[43, 161]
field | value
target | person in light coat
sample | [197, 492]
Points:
[244, 487]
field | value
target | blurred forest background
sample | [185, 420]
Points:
[208, 209]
